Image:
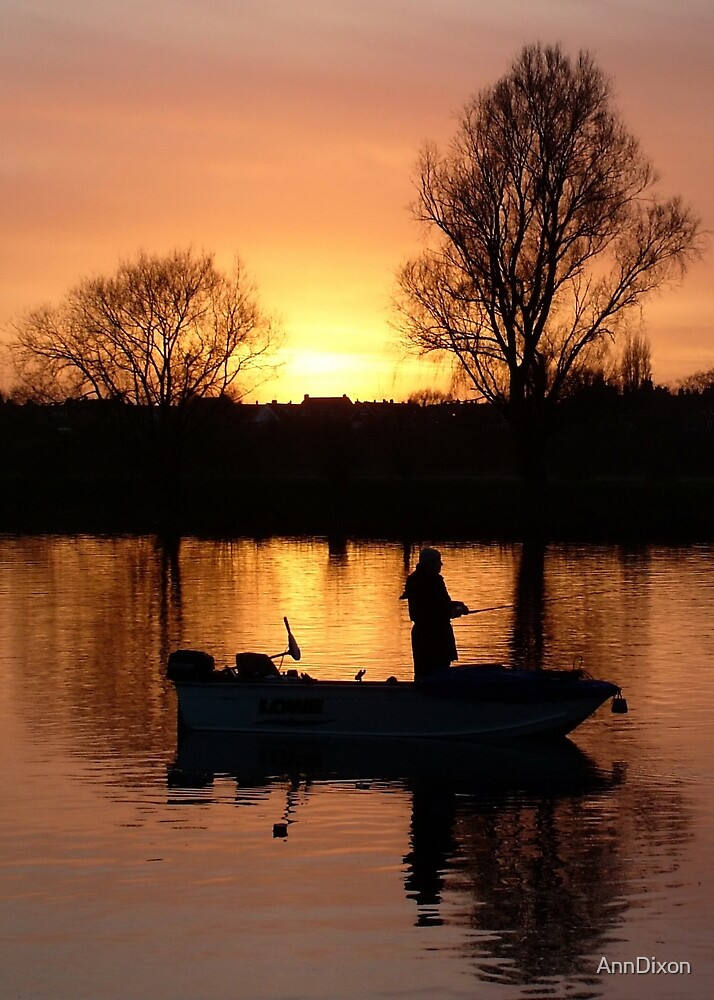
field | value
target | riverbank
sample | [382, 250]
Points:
[477, 508]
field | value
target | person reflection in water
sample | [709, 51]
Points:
[431, 610]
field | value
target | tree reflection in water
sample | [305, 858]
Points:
[544, 884]
[528, 634]
[169, 591]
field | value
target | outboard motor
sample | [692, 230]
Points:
[190, 665]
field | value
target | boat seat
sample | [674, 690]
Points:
[255, 667]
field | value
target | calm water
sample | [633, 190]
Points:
[135, 867]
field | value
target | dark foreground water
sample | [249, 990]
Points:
[137, 867]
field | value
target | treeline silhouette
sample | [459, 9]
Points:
[619, 465]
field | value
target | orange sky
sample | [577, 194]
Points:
[288, 131]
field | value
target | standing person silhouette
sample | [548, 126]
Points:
[431, 610]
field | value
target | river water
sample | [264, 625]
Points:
[137, 866]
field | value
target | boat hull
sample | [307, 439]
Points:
[494, 708]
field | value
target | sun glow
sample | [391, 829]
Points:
[326, 372]
[360, 375]
[289, 136]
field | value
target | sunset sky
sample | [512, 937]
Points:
[286, 131]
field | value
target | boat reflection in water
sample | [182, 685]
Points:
[526, 768]
[501, 831]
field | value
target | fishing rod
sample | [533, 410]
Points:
[480, 611]
[546, 600]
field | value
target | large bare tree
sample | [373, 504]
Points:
[546, 232]
[161, 332]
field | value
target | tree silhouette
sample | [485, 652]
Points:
[161, 332]
[635, 368]
[698, 382]
[548, 232]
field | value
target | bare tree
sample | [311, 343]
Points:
[161, 332]
[547, 233]
[430, 396]
[635, 368]
[699, 382]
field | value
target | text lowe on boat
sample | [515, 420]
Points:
[489, 701]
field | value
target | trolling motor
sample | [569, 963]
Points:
[293, 648]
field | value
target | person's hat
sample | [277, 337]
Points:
[430, 558]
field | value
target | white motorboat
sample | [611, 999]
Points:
[484, 702]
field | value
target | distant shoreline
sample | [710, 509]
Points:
[620, 468]
[635, 510]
